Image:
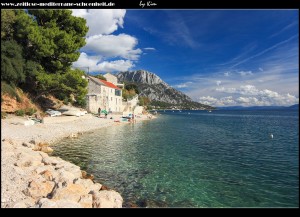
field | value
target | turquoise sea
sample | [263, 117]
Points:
[196, 159]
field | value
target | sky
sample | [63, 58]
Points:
[217, 57]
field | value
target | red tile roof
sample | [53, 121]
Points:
[108, 84]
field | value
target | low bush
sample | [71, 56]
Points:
[9, 90]
[20, 112]
[3, 115]
[30, 111]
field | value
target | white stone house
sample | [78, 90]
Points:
[129, 106]
[103, 94]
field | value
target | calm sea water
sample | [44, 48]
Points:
[196, 159]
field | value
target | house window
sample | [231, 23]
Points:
[117, 92]
[111, 98]
[116, 101]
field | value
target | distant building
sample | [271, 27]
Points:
[103, 94]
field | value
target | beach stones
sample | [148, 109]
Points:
[71, 192]
[38, 189]
[107, 199]
[42, 181]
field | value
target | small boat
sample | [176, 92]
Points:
[72, 113]
[53, 113]
[209, 110]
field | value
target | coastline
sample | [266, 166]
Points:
[31, 178]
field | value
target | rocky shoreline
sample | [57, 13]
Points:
[32, 178]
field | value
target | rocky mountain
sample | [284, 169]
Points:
[294, 107]
[158, 91]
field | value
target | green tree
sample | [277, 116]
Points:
[131, 86]
[51, 40]
[52, 37]
[144, 101]
[75, 85]
[8, 18]
[12, 63]
[128, 94]
[63, 85]
[100, 77]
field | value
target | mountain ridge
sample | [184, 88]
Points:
[159, 92]
[292, 107]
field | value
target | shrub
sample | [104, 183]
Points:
[100, 77]
[81, 102]
[20, 112]
[66, 101]
[30, 111]
[9, 90]
[3, 115]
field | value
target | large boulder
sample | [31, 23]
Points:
[107, 199]
[37, 189]
[25, 159]
[65, 177]
[86, 201]
[25, 203]
[68, 204]
[46, 203]
[88, 185]
[71, 192]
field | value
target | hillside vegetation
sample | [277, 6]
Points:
[38, 48]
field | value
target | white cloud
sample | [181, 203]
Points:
[280, 100]
[226, 74]
[249, 95]
[118, 65]
[245, 73]
[261, 69]
[208, 100]
[183, 85]
[223, 101]
[248, 101]
[113, 46]
[85, 61]
[218, 82]
[92, 63]
[243, 90]
[101, 45]
[149, 48]
[101, 21]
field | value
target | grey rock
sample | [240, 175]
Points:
[28, 145]
[68, 204]
[46, 203]
[24, 203]
[153, 87]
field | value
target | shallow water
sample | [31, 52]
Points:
[201, 159]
